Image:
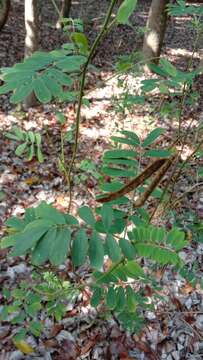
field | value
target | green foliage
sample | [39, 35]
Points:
[87, 169]
[48, 235]
[30, 143]
[125, 11]
[182, 9]
[114, 231]
[123, 160]
[49, 75]
[27, 301]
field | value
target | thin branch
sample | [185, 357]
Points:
[188, 191]
[81, 93]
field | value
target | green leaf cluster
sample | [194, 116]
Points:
[30, 143]
[48, 75]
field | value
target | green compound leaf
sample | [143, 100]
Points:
[157, 253]
[157, 234]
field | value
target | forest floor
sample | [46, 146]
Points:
[175, 331]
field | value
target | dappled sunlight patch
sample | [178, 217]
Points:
[178, 52]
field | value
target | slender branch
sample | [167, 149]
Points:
[182, 105]
[183, 165]
[81, 93]
[188, 191]
[56, 8]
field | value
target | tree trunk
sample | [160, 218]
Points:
[65, 11]
[4, 11]
[156, 28]
[31, 38]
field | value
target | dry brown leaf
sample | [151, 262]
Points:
[187, 289]
[86, 348]
[50, 343]
[56, 329]
[143, 346]
[33, 180]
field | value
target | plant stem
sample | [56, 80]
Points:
[188, 191]
[81, 93]
[56, 8]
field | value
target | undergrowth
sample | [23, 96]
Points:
[125, 229]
